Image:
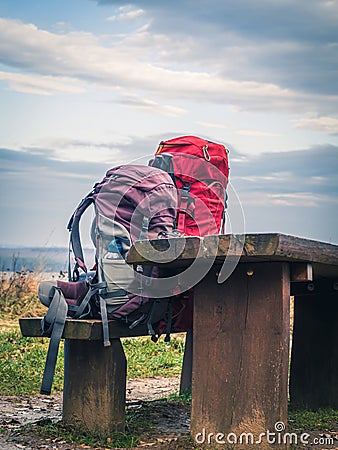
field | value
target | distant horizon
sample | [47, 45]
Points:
[91, 247]
[38, 259]
[9, 246]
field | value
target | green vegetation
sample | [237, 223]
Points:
[23, 360]
[148, 359]
[22, 363]
[18, 295]
[323, 420]
[180, 398]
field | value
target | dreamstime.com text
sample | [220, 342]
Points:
[278, 436]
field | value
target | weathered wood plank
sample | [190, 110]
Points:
[83, 329]
[166, 251]
[94, 391]
[295, 248]
[278, 246]
[255, 247]
[322, 288]
[240, 358]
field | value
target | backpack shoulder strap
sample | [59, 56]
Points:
[74, 229]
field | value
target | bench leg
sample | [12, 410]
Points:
[240, 358]
[314, 362]
[186, 374]
[94, 385]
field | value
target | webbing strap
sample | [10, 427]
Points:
[182, 210]
[138, 321]
[170, 321]
[74, 228]
[150, 327]
[80, 309]
[144, 228]
[53, 323]
[119, 293]
[104, 318]
[223, 230]
[93, 289]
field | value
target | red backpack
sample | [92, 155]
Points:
[200, 171]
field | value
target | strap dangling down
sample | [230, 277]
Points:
[170, 320]
[104, 318]
[53, 324]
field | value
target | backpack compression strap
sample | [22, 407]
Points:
[74, 228]
[52, 325]
[185, 207]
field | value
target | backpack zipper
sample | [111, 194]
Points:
[205, 152]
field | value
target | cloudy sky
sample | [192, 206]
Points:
[89, 84]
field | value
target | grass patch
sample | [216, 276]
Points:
[148, 359]
[322, 420]
[22, 363]
[180, 398]
[23, 360]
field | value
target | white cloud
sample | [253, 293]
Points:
[83, 56]
[126, 14]
[132, 14]
[324, 124]
[303, 199]
[68, 150]
[212, 125]
[42, 85]
[256, 133]
[291, 199]
[144, 104]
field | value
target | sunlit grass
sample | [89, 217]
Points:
[23, 359]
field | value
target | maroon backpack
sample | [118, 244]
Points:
[131, 202]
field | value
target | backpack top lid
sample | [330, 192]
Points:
[129, 193]
[200, 144]
[196, 158]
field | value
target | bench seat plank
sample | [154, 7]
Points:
[83, 329]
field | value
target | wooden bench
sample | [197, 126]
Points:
[241, 333]
[94, 391]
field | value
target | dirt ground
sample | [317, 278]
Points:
[170, 421]
[18, 411]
